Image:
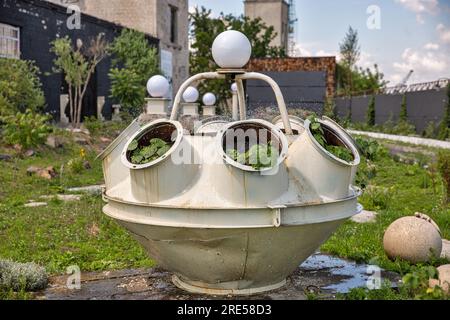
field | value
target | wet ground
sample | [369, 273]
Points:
[322, 275]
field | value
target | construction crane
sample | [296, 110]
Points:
[406, 79]
[292, 28]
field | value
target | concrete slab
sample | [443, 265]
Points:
[321, 274]
[365, 217]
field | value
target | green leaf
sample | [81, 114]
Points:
[159, 143]
[162, 151]
[133, 145]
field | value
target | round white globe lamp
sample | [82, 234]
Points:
[231, 50]
[191, 95]
[209, 99]
[234, 87]
[158, 86]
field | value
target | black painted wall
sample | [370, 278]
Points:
[40, 23]
[423, 107]
[302, 90]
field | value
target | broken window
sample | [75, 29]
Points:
[9, 41]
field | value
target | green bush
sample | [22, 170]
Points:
[134, 62]
[377, 198]
[430, 130]
[414, 285]
[444, 170]
[404, 110]
[20, 87]
[370, 149]
[371, 112]
[27, 129]
[444, 128]
[22, 276]
[93, 124]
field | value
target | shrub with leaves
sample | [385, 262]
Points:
[26, 129]
[259, 156]
[20, 87]
[370, 149]
[146, 154]
[371, 112]
[415, 285]
[444, 170]
[77, 165]
[377, 198]
[319, 134]
[22, 276]
[444, 127]
[134, 62]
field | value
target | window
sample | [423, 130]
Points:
[9, 41]
[173, 24]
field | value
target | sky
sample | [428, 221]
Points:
[398, 35]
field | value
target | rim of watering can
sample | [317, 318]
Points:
[269, 126]
[143, 131]
[278, 120]
[342, 137]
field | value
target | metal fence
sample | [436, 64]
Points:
[423, 107]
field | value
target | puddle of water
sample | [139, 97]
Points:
[355, 275]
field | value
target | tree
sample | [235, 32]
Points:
[205, 29]
[371, 112]
[350, 52]
[78, 64]
[349, 48]
[20, 87]
[134, 62]
[404, 110]
[444, 127]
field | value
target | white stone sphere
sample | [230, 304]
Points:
[209, 99]
[234, 87]
[444, 278]
[191, 95]
[231, 50]
[413, 239]
[158, 86]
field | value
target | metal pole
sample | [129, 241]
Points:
[278, 95]
[241, 97]
[186, 84]
[235, 107]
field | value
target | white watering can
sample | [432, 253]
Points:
[223, 227]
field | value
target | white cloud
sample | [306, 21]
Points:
[420, 7]
[431, 46]
[444, 33]
[428, 65]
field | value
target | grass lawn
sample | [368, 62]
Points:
[78, 233]
[63, 233]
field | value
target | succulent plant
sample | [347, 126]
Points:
[258, 156]
[318, 133]
[146, 154]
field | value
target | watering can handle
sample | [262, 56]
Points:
[239, 79]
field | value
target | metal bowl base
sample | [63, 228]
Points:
[197, 288]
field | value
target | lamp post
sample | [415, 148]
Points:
[158, 87]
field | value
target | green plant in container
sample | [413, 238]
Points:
[317, 131]
[149, 153]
